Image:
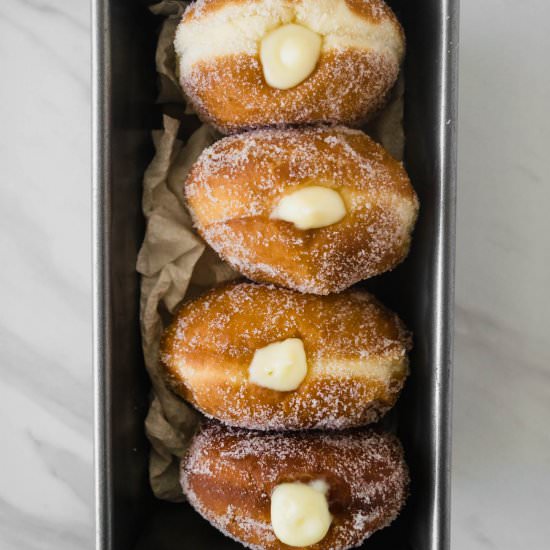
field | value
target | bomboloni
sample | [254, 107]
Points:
[274, 491]
[253, 63]
[266, 358]
[313, 209]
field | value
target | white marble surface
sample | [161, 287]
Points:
[501, 471]
[46, 476]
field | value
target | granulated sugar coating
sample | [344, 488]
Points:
[237, 183]
[217, 44]
[356, 354]
[229, 475]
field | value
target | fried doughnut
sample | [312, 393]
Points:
[246, 196]
[251, 63]
[232, 477]
[227, 353]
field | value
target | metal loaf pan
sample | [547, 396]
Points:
[421, 290]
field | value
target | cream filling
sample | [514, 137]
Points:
[299, 513]
[311, 207]
[280, 366]
[289, 55]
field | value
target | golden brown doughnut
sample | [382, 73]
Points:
[230, 474]
[218, 45]
[237, 183]
[356, 352]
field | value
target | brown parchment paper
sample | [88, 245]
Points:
[174, 263]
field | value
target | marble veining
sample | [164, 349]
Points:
[501, 457]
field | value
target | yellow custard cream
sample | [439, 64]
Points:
[280, 366]
[311, 207]
[289, 55]
[299, 513]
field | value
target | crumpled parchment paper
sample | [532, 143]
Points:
[174, 262]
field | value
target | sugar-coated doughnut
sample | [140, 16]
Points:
[249, 196]
[232, 476]
[254, 63]
[353, 366]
